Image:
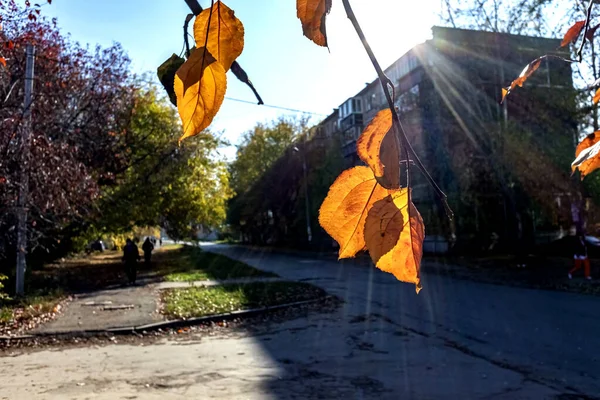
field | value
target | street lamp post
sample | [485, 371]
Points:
[306, 202]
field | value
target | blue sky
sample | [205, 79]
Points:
[287, 69]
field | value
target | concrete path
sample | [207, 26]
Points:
[123, 306]
[323, 356]
[114, 308]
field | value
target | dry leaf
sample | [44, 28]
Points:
[525, 74]
[596, 98]
[378, 148]
[404, 259]
[312, 14]
[200, 85]
[3, 61]
[586, 154]
[383, 227]
[573, 33]
[225, 39]
[591, 32]
[344, 210]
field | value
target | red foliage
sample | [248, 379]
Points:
[80, 98]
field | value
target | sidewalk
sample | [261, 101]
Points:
[106, 309]
[123, 307]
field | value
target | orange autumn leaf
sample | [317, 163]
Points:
[596, 98]
[404, 259]
[523, 76]
[312, 14]
[200, 85]
[587, 157]
[573, 33]
[378, 148]
[3, 61]
[344, 210]
[221, 32]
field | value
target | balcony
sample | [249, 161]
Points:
[352, 120]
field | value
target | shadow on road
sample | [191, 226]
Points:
[457, 339]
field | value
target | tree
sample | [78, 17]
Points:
[259, 149]
[164, 184]
[82, 99]
[520, 17]
[280, 217]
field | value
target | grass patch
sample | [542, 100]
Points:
[197, 265]
[198, 302]
[30, 307]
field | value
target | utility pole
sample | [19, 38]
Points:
[306, 203]
[25, 161]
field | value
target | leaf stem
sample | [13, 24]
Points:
[236, 68]
[588, 18]
[188, 18]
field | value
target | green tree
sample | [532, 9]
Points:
[259, 149]
[165, 184]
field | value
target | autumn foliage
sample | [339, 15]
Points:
[366, 209]
[587, 153]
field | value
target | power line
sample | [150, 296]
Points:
[277, 107]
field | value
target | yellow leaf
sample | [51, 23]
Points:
[312, 14]
[200, 85]
[404, 259]
[344, 210]
[221, 33]
[378, 148]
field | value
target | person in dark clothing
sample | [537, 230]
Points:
[580, 257]
[147, 247]
[131, 255]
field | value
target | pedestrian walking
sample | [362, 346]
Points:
[131, 255]
[147, 247]
[580, 257]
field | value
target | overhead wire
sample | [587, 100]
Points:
[272, 106]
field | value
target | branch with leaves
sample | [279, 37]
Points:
[367, 207]
[587, 152]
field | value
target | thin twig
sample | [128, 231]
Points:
[186, 34]
[236, 68]
[588, 18]
[385, 81]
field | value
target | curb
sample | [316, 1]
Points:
[178, 323]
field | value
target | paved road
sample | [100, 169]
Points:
[455, 340]
[550, 338]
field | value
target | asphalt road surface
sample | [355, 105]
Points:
[456, 339]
